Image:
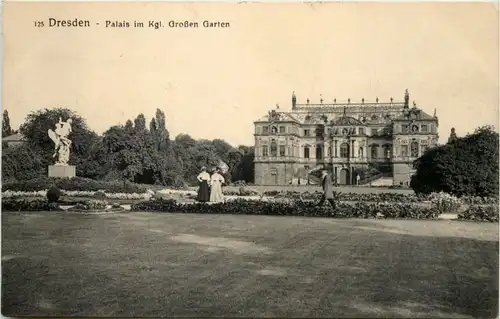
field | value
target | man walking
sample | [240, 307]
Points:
[326, 184]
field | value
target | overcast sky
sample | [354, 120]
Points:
[213, 83]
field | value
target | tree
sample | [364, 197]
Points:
[129, 126]
[22, 163]
[6, 129]
[466, 166]
[140, 123]
[35, 128]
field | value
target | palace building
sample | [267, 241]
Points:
[368, 139]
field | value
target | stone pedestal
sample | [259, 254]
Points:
[62, 171]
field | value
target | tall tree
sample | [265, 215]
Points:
[140, 123]
[6, 128]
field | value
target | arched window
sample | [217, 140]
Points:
[274, 148]
[374, 151]
[344, 150]
[360, 152]
[414, 149]
[387, 151]
[306, 151]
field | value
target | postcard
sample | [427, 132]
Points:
[198, 159]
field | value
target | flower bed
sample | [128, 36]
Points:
[30, 205]
[293, 208]
[90, 205]
[489, 213]
[351, 197]
[369, 197]
[74, 184]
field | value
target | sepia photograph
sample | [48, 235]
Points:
[195, 159]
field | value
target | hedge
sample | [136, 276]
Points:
[29, 205]
[358, 197]
[74, 184]
[488, 213]
[294, 208]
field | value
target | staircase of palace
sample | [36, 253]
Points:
[383, 181]
[380, 179]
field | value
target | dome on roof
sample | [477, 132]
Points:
[347, 120]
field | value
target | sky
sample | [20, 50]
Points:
[213, 83]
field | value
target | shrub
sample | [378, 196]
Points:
[445, 203]
[465, 166]
[75, 184]
[473, 200]
[293, 208]
[116, 205]
[12, 204]
[488, 213]
[53, 194]
[242, 191]
[91, 205]
[354, 197]
[99, 195]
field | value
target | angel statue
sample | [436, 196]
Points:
[61, 141]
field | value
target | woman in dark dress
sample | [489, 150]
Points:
[203, 191]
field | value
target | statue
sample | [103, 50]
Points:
[453, 136]
[62, 143]
[294, 100]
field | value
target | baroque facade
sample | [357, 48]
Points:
[354, 138]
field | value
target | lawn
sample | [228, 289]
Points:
[147, 264]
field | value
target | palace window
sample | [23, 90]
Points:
[265, 129]
[306, 151]
[405, 128]
[282, 129]
[274, 148]
[344, 150]
[374, 151]
[404, 150]
[307, 132]
[387, 151]
[282, 150]
[374, 131]
[414, 149]
[424, 128]
[319, 151]
[361, 131]
[265, 151]
[360, 152]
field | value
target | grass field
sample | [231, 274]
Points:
[145, 264]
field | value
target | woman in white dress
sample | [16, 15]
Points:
[216, 182]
